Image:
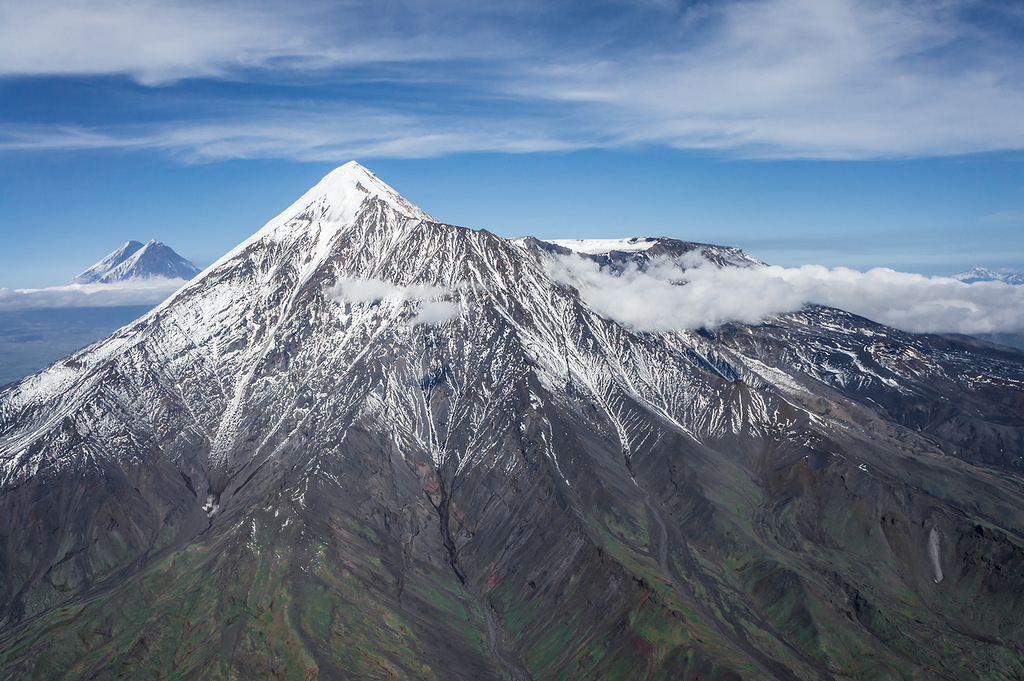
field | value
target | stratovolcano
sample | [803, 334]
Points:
[367, 444]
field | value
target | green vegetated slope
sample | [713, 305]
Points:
[694, 569]
[275, 597]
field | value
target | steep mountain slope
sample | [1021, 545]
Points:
[365, 444]
[108, 263]
[135, 261]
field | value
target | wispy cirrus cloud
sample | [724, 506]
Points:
[157, 42]
[301, 135]
[824, 79]
[1003, 216]
[162, 41]
[833, 79]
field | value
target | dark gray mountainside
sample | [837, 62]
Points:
[136, 261]
[369, 445]
[1014, 340]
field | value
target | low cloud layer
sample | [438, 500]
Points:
[665, 298]
[144, 292]
[430, 301]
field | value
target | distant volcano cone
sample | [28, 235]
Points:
[134, 261]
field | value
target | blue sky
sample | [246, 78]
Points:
[837, 132]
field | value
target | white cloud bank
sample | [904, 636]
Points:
[432, 308]
[141, 292]
[665, 298]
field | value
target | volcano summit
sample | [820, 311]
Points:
[366, 444]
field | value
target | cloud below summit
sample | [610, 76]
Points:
[664, 298]
[432, 308]
[134, 292]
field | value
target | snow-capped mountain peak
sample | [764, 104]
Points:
[136, 261]
[339, 196]
[976, 274]
[108, 263]
[332, 204]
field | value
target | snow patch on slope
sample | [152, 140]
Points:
[933, 553]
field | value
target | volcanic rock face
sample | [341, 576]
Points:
[365, 444]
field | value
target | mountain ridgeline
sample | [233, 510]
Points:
[366, 444]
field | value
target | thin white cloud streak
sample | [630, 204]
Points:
[142, 292]
[432, 308]
[349, 290]
[824, 79]
[436, 312]
[665, 298]
[152, 41]
[1003, 217]
[161, 41]
[298, 135]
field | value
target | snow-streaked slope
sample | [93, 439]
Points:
[271, 323]
[104, 266]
